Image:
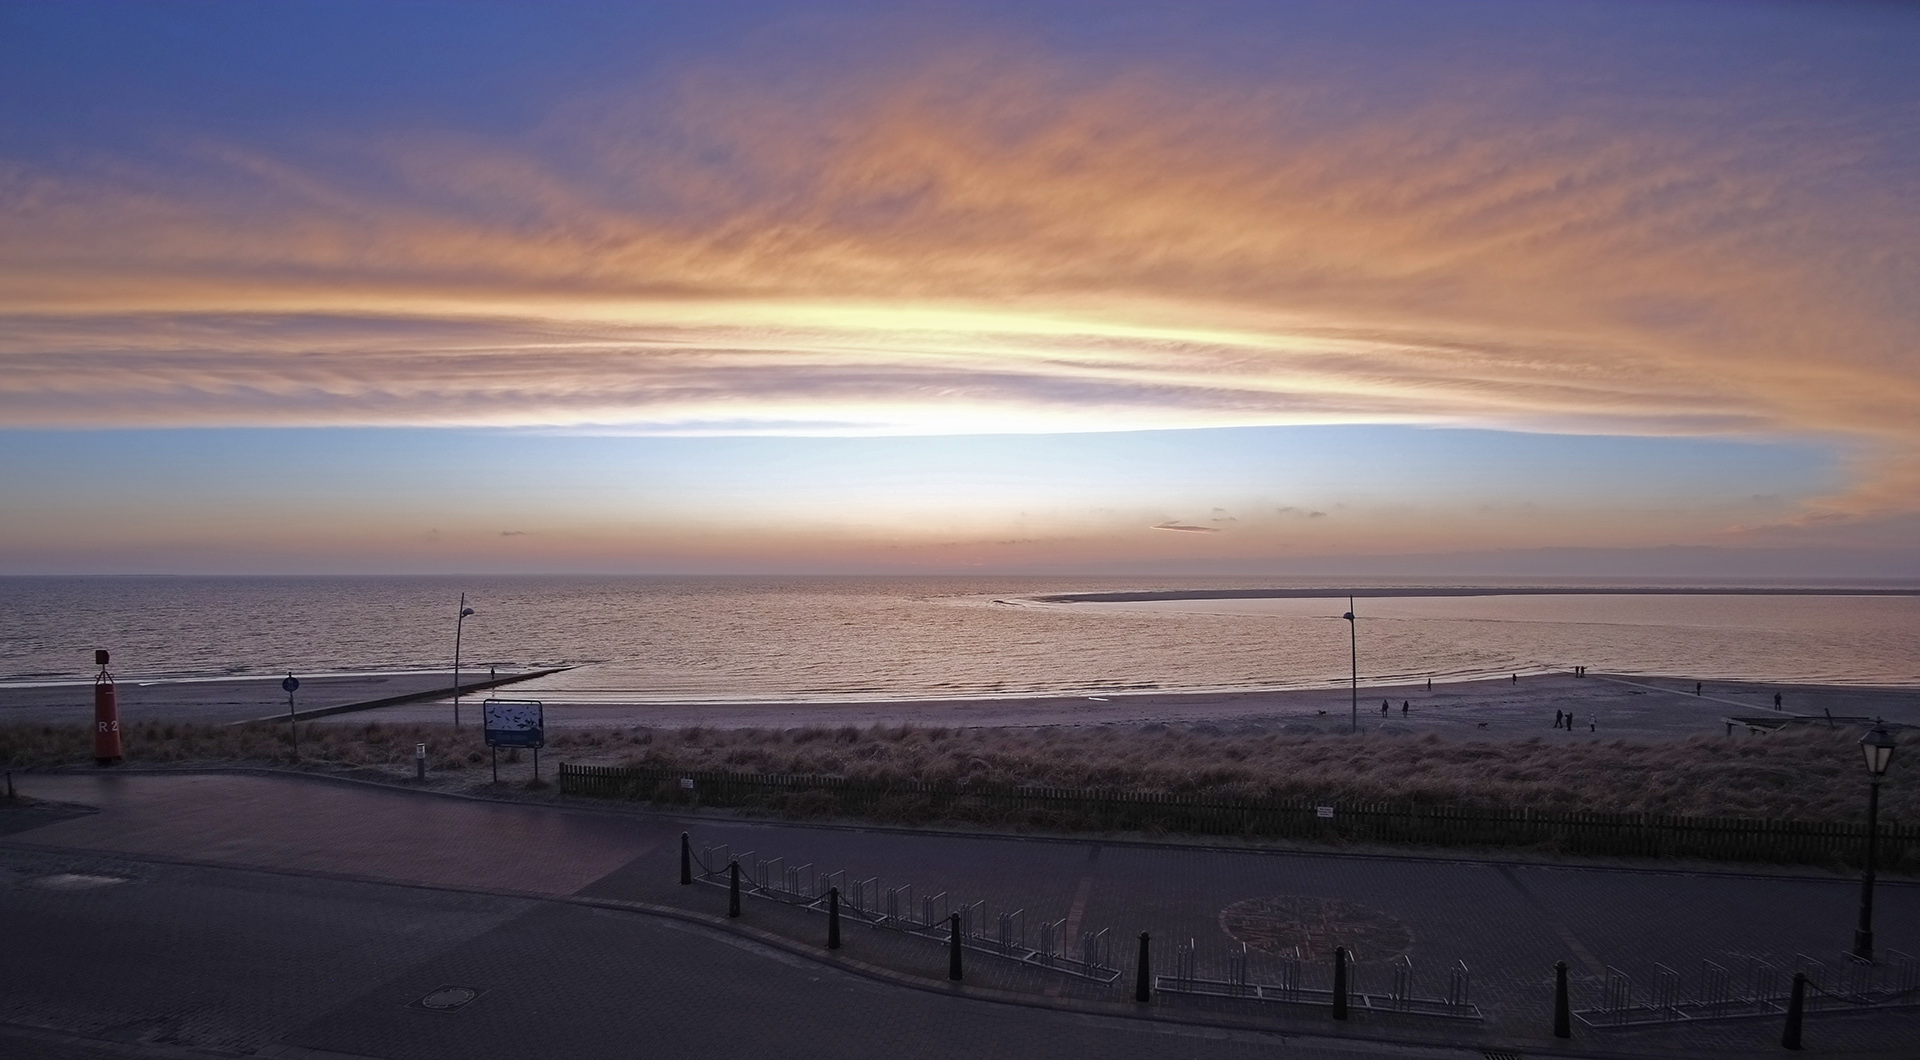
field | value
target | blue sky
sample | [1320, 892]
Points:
[761, 287]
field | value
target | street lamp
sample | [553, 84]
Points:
[1878, 746]
[1353, 631]
[457, 624]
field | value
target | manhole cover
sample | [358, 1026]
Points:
[1314, 926]
[448, 998]
[74, 881]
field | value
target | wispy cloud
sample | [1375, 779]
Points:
[981, 245]
[1185, 528]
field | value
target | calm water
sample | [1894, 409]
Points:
[745, 639]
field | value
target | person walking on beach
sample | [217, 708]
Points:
[1593, 723]
[1776, 701]
[1404, 707]
[1384, 704]
[1556, 718]
[1429, 684]
[1696, 688]
[1516, 679]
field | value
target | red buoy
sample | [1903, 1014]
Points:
[106, 716]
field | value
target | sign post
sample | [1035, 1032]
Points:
[291, 684]
[514, 723]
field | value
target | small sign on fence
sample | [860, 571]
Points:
[686, 783]
[1323, 811]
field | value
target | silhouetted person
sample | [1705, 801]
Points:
[1429, 684]
[1404, 707]
[1556, 718]
[1776, 701]
[1383, 708]
[1696, 688]
[1516, 679]
[1593, 723]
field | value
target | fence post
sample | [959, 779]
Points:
[1562, 1013]
[1796, 1007]
[1143, 975]
[733, 889]
[833, 918]
[1339, 982]
[953, 947]
[686, 859]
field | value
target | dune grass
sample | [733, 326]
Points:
[1807, 775]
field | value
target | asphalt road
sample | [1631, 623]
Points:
[139, 958]
[280, 916]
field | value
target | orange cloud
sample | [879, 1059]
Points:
[987, 245]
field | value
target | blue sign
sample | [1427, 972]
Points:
[290, 684]
[514, 723]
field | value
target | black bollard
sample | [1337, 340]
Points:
[1340, 982]
[953, 948]
[1562, 1014]
[833, 918]
[733, 889]
[1796, 1007]
[686, 859]
[1143, 975]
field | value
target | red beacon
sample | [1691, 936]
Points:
[106, 714]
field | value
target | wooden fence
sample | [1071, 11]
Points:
[1079, 809]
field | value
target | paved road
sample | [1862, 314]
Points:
[265, 915]
[157, 958]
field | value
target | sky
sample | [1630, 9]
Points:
[1501, 288]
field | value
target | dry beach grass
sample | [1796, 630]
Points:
[1813, 774]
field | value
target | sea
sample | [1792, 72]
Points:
[770, 639]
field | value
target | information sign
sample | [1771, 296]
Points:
[514, 723]
[291, 684]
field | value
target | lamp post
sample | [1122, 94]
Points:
[1353, 635]
[458, 622]
[1878, 746]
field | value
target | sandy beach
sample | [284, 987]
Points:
[1605, 707]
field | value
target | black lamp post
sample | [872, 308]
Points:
[1878, 747]
[1353, 632]
[458, 624]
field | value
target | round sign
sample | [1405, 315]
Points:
[290, 683]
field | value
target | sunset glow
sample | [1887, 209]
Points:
[1005, 288]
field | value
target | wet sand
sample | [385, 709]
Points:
[1605, 707]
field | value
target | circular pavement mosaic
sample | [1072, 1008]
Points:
[1314, 926]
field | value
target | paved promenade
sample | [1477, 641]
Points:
[280, 915]
[227, 700]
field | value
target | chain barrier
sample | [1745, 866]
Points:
[892, 907]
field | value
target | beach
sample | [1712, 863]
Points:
[1604, 707]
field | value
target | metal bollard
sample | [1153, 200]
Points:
[1562, 1014]
[1796, 1009]
[419, 761]
[733, 889]
[953, 947]
[686, 860]
[833, 918]
[1143, 972]
[1340, 982]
